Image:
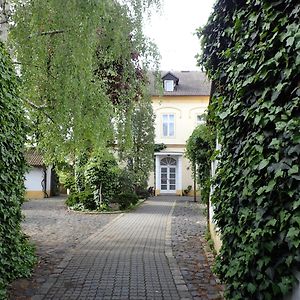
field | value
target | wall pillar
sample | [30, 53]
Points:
[157, 175]
[179, 174]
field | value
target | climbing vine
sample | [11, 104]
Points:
[251, 51]
[16, 255]
[199, 150]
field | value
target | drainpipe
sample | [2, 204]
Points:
[45, 182]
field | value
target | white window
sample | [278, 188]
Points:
[169, 85]
[168, 125]
[200, 119]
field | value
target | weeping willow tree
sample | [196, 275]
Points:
[83, 69]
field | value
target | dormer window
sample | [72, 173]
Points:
[169, 85]
[170, 82]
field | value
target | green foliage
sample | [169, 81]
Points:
[83, 71]
[101, 176]
[159, 147]
[83, 200]
[56, 44]
[140, 155]
[142, 193]
[252, 54]
[126, 199]
[16, 254]
[199, 149]
[187, 190]
[126, 180]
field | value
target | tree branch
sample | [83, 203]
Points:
[39, 107]
[47, 33]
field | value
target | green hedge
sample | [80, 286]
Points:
[16, 255]
[252, 54]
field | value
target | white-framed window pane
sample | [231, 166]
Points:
[168, 121]
[171, 129]
[169, 85]
[165, 129]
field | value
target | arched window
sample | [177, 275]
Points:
[168, 161]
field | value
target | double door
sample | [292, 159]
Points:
[168, 179]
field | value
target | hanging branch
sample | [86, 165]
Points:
[47, 33]
[39, 107]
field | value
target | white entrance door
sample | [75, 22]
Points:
[168, 175]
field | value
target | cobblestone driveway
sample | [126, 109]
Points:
[129, 256]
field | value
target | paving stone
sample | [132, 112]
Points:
[146, 254]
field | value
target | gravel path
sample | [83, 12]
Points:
[191, 250]
[55, 231]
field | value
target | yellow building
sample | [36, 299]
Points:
[178, 109]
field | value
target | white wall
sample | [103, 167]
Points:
[48, 186]
[33, 179]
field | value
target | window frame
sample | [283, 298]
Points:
[168, 122]
[169, 85]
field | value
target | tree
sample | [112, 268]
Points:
[83, 72]
[140, 157]
[77, 62]
[199, 150]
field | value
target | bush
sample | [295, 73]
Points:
[101, 177]
[187, 190]
[142, 193]
[126, 180]
[126, 199]
[86, 198]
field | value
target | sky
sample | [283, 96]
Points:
[173, 28]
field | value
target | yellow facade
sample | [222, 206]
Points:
[34, 195]
[185, 110]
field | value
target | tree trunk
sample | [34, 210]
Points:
[195, 184]
[100, 194]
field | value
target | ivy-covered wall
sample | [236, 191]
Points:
[16, 255]
[251, 51]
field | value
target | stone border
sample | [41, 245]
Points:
[115, 212]
[176, 273]
[45, 287]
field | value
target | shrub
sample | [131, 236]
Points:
[187, 190]
[101, 177]
[126, 181]
[85, 198]
[142, 193]
[126, 199]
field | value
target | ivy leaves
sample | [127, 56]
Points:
[251, 52]
[16, 255]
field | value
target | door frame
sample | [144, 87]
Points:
[178, 180]
[168, 183]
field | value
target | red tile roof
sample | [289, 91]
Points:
[33, 158]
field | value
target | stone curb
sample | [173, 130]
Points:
[176, 273]
[107, 212]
